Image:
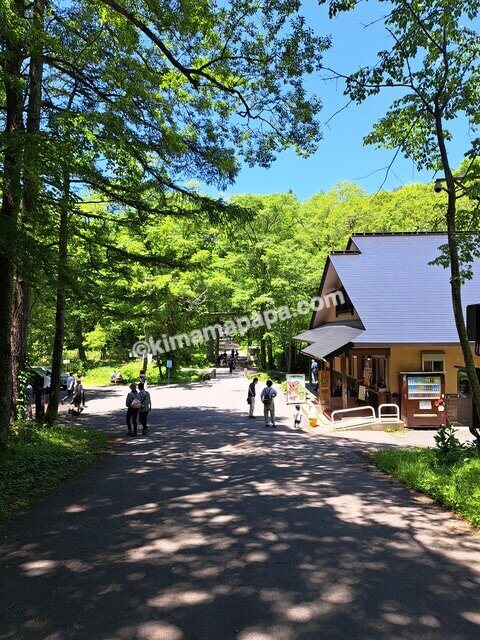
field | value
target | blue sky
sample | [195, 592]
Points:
[341, 155]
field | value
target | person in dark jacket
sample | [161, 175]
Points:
[133, 406]
[251, 397]
[145, 407]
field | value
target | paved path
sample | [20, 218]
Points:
[214, 528]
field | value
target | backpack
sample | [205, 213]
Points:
[267, 398]
[135, 404]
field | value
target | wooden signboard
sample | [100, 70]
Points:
[324, 386]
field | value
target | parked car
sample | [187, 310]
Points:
[47, 371]
[63, 377]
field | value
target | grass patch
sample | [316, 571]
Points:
[99, 375]
[457, 486]
[40, 458]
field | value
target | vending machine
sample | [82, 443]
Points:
[422, 399]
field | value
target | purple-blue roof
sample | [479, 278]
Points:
[399, 297]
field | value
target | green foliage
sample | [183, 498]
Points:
[131, 371]
[39, 459]
[272, 257]
[98, 375]
[456, 485]
[448, 446]
[96, 339]
[21, 401]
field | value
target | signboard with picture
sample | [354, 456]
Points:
[296, 392]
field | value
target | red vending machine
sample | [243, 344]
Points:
[422, 399]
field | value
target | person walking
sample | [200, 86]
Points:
[78, 395]
[231, 363]
[267, 397]
[29, 400]
[70, 388]
[251, 397]
[83, 391]
[314, 371]
[133, 406]
[142, 378]
[145, 407]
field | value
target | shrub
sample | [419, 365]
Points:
[448, 447]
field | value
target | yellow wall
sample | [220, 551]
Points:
[409, 358]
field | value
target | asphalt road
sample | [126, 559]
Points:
[214, 528]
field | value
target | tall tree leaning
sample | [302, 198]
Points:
[61, 293]
[11, 33]
[434, 65]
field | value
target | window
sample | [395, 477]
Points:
[433, 362]
[346, 307]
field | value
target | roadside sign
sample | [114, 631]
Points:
[296, 392]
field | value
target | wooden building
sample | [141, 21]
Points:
[393, 327]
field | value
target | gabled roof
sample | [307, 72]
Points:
[398, 295]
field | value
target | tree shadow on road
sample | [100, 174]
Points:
[215, 528]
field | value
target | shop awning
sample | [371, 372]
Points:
[329, 340]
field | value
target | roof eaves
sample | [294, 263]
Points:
[398, 233]
[322, 282]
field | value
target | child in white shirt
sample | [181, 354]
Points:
[297, 418]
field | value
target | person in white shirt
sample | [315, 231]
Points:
[70, 388]
[267, 397]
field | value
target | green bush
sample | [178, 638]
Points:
[456, 484]
[448, 449]
[40, 458]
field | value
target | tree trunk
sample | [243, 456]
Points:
[21, 308]
[270, 362]
[456, 280]
[263, 352]
[82, 354]
[52, 409]
[11, 200]
[18, 333]
[159, 365]
[288, 349]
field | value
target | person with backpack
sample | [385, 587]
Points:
[145, 407]
[133, 407]
[267, 396]
[251, 397]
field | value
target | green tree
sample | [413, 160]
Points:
[151, 97]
